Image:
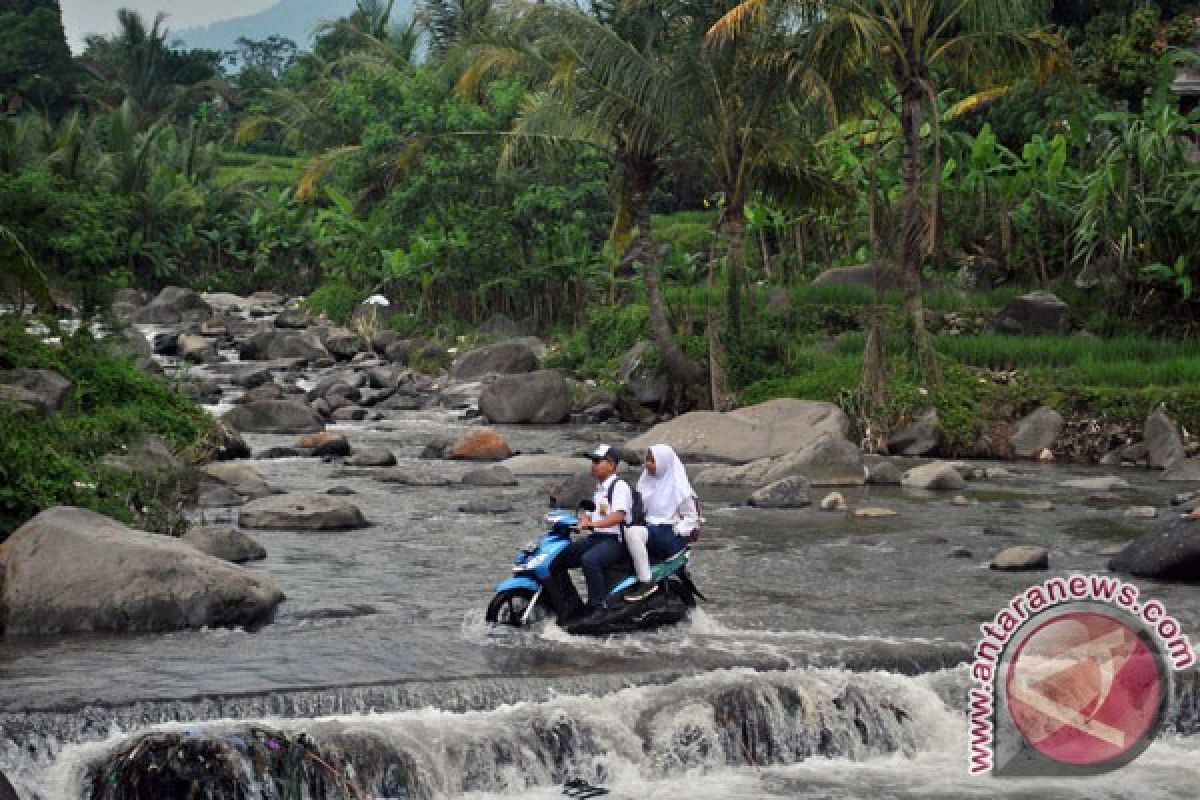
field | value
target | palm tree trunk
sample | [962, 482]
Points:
[915, 229]
[735, 227]
[681, 368]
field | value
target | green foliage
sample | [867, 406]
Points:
[58, 460]
[335, 299]
[35, 63]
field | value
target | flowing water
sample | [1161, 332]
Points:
[829, 661]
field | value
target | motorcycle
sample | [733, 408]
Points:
[524, 599]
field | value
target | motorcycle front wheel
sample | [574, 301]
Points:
[509, 606]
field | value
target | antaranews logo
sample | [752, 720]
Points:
[1073, 677]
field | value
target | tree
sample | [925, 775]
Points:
[905, 51]
[35, 62]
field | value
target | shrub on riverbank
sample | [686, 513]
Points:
[57, 460]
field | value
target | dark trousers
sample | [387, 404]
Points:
[593, 552]
[662, 543]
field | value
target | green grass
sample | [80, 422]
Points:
[259, 170]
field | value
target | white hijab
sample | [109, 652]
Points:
[664, 491]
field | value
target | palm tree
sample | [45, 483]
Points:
[906, 50]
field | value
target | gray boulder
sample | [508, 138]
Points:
[270, 345]
[196, 349]
[1020, 558]
[767, 430]
[828, 460]
[936, 476]
[241, 478]
[919, 438]
[531, 464]
[868, 276]
[538, 397]
[494, 475]
[502, 358]
[372, 457]
[301, 512]
[273, 416]
[225, 543]
[173, 304]
[52, 389]
[642, 371]
[884, 473]
[343, 344]
[1104, 483]
[1035, 432]
[1033, 313]
[25, 401]
[70, 569]
[1171, 552]
[1164, 445]
[293, 319]
[1183, 471]
[791, 492]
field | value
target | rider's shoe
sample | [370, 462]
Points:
[640, 591]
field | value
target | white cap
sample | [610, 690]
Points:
[603, 451]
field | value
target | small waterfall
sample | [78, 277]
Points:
[714, 721]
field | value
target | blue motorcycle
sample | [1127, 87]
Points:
[525, 598]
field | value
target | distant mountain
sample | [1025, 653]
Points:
[294, 19]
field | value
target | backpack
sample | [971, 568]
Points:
[638, 513]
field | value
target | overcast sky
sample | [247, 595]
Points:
[81, 17]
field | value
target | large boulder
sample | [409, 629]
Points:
[173, 304]
[937, 476]
[1021, 558]
[642, 371]
[538, 397]
[767, 430]
[1035, 432]
[828, 460]
[494, 475]
[223, 542]
[868, 276]
[196, 349]
[270, 345]
[791, 492]
[481, 445]
[293, 319]
[325, 443]
[274, 416]
[343, 344]
[303, 511]
[1164, 445]
[1033, 313]
[1183, 471]
[70, 569]
[918, 438]
[52, 389]
[1171, 552]
[372, 457]
[506, 358]
[241, 478]
[546, 465]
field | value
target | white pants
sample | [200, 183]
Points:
[636, 537]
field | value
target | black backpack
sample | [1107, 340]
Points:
[639, 508]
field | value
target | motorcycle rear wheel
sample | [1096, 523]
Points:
[509, 606]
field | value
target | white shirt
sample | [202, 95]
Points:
[684, 519]
[622, 500]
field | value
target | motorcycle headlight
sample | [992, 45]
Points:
[532, 563]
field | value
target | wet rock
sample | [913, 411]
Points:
[1036, 505]
[1020, 558]
[833, 502]
[69, 569]
[225, 543]
[936, 476]
[325, 443]
[278, 452]
[383, 377]
[767, 430]
[53, 391]
[172, 305]
[485, 506]
[293, 319]
[1036, 432]
[482, 445]
[270, 345]
[350, 414]
[506, 358]
[529, 464]
[340, 491]
[827, 460]
[959, 500]
[250, 376]
[1183, 498]
[873, 512]
[1170, 553]
[411, 477]
[1142, 512]
[343, 344]
[919, 438]
[273, 416]
[1105, 483]
[301, 512]
[961, 552]
[261, 393]
[535, 397]
[227, 444]
[642, 371]
[1185, 470]
[434, 451]
[1164, 445]
[790, 492]
[242, 478]
[884, 473]
[1033, 313]
[217, 495]
[372, 457]
[495, 475]
[196, 349]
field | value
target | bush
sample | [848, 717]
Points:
[335, 300]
